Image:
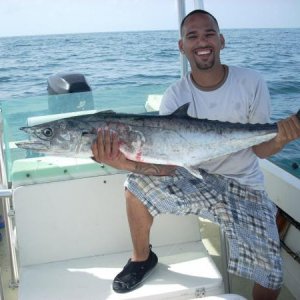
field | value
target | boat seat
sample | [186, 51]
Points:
[73, 238]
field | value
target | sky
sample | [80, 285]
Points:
[39, 17]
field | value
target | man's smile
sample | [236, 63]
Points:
[201, 52]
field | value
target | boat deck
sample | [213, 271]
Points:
[211, 240]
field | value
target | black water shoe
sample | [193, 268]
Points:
[134, 273]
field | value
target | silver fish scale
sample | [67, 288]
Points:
[175, 139]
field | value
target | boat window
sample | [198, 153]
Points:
[26, 166]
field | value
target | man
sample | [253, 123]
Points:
[231, 192]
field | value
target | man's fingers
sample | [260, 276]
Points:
[100, 146]
[107, 145]
[296, 126]
[288, 129]
[115, 145]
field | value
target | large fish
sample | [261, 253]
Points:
[175, 139]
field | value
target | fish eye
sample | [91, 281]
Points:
[48, 132]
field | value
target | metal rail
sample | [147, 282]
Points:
[6, 199]
[1, 287]
[289, 221]
[224, 260]
[198, 4]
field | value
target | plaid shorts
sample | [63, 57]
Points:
[246, 216]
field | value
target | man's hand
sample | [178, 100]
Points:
[106, 150]
[288, 130]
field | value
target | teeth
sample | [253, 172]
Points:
[203, 52]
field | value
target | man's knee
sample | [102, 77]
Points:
[128, 194]
[130, 197]
[133, 201]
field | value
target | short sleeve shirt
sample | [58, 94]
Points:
[244, 97]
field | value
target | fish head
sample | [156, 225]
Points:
[60, 137]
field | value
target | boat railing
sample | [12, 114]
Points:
[7, 205]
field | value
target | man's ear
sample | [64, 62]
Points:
[180, 46]
[222, 41]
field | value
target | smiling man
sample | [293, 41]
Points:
[202, 55]
[229, 190]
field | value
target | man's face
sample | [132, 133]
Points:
[201, 42]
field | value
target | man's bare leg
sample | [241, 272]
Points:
[143, 261]
[140, 222]
[262, 293]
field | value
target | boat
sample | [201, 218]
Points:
[66, 227]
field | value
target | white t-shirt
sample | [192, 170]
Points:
[244, 98]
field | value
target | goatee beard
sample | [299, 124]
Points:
[205, 66]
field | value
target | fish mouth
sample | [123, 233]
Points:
[34, 145]
[26, 129]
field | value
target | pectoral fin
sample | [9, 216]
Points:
[194, 170]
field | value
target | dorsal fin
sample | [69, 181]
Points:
[182, 110]
[109, 111]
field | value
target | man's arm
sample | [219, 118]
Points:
[106, 150]
[288, 130]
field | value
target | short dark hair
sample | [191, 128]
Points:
[197, 11]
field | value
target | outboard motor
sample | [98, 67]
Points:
[69, 92]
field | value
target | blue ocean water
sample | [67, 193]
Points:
[130, 65]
